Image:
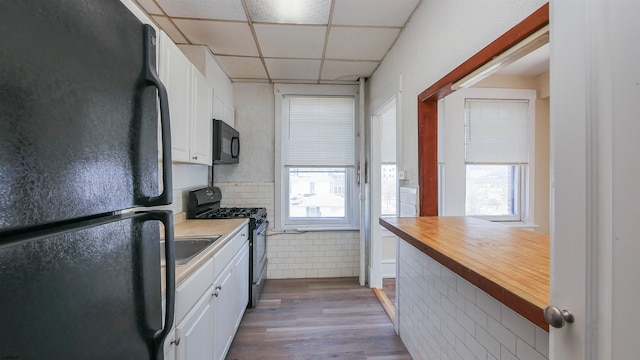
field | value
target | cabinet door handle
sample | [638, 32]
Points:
[195, 157]
[215, 294]
[176, 341]
[219, 287]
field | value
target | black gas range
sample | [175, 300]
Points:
[204, 203]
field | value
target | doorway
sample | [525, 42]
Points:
[384, 202]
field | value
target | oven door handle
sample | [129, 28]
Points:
[262, 228]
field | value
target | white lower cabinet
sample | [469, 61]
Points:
[241, 279]
[224, 314]
[169, 348]
[196, 331]
[206, 321]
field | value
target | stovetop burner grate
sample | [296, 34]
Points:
[205, 204]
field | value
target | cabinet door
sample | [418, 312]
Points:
[229, 115]
[218, 108]
[224, 314]
[175, 73]
[169, 348]
[241, 283]
[201, 120]
[194, 334]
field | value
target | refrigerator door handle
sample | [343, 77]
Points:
[166, 197]
[166, 217]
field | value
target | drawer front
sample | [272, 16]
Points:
[224, 256]
[188, 293]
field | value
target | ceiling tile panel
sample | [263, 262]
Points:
[290, 11]
[150, 7]
[242, 67]
[205, 9]
[347, 70]
[287, 69]
[170, 29]
[226, 38]
[291, 41]
[353, 43]
[373, 12]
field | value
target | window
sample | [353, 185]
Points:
[315, 169]
[496, 157]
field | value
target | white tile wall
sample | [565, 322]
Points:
[297, 255]
[443, 316]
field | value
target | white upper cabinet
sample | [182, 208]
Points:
[190, 105]
[201, 121]
[175, 74]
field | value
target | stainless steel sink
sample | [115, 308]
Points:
[188, 247]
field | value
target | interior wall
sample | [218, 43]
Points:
[440, 36]
[255, 120]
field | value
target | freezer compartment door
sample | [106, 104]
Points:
[89, 291]
[78, 114]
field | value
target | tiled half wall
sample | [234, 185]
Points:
[443, 316]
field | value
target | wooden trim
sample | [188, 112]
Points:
[428, 110]
[428, 157]
[386, 304]
[526, 27]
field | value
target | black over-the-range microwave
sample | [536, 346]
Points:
[226, 143]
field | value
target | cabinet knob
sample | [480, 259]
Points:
[215, 294]
[219, 287]
[176, 341]
[195, 157]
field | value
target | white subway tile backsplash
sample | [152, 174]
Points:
[463, 351]
[542, 342]
[310, 254]
[488, 304]
[520, 326]
[479, 317]
[502, 334]
[467, 322]
[505, 354]
[456, 297]
[488, 342]
[442, 316]
[467, 289]
[525, 352]
[476, 348]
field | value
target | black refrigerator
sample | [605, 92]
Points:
[79, 101]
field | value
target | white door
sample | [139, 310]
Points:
[595, 92]
[384, 193]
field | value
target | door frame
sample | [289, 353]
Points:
[375, 251]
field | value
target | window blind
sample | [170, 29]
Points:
[318, 131]
[496, 131]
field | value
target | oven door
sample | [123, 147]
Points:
[259, 250]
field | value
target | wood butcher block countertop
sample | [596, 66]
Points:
[508, 263]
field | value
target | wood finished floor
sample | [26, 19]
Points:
[314, 319]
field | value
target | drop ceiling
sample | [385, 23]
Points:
[305, 41]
